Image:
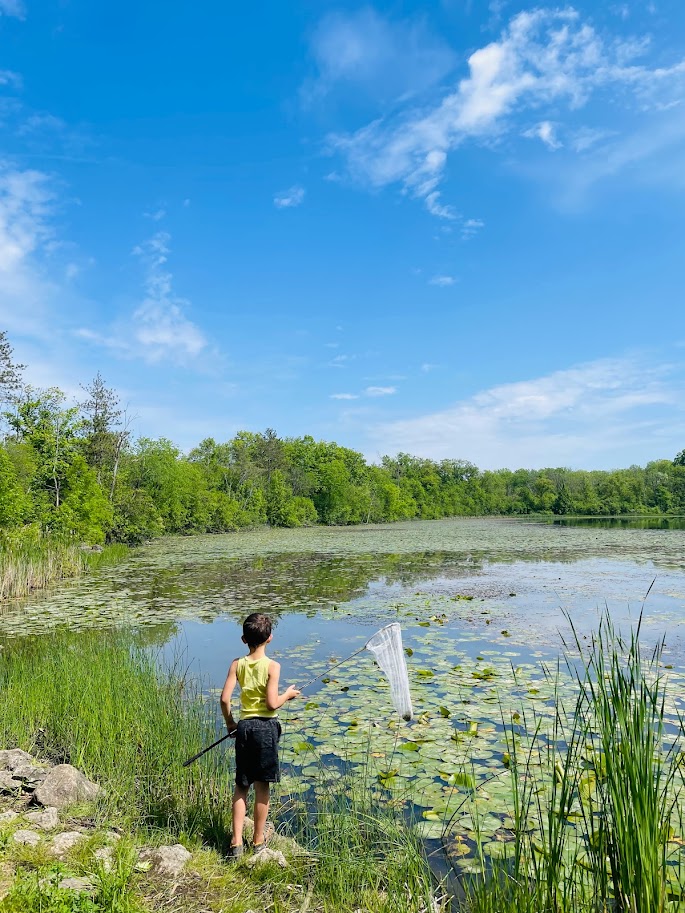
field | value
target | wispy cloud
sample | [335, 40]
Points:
[290, 198]
[590, 414]
[27, 199]
[442, 281]
[545, 131]
[158, 329]
[470, 228]
[386, 59]
[12, 8]
[10, 78]
[341, 361]
[380, 391]
[543, 59]
[344, 396]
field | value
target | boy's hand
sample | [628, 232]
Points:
[291, 693]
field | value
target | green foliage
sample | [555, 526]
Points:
[14, 502]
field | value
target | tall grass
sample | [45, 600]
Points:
[597, 801]
[104, 702]
[100, 701]
[30, 560]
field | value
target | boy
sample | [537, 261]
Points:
[256, 744]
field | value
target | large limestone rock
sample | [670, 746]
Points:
[9, 815]
[65, 785]
[46, 820]
[29, 775]
[7, 783]
[27, 838]
[80, 885]
[167, 861]
[13, 757]
[63, 843]
[267, 855]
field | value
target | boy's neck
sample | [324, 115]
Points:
[257, 652]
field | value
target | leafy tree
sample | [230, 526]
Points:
[679, 459]
[14, 502]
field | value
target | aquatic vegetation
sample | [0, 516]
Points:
[31, 560]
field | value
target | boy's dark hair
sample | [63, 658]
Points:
[256, 629]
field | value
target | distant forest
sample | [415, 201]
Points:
[76, 472]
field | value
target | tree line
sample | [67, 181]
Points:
[75, 471]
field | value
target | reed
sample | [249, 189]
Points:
[598, 825]
[31, 560]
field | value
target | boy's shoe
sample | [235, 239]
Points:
[235, 852]
[269, 831]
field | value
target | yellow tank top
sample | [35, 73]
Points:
[252, 678]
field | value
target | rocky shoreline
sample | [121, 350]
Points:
[37, 805]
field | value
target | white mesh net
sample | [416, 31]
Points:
[386, 646]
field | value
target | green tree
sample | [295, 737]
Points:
[14, 502]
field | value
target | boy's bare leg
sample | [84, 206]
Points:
[239, 812]
[261, 810]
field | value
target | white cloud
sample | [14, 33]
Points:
[470, 228]
[340, 361]
[543, 59]
[427, 366]
[160, 326]
[442, 281]
[585, 415]
[545, 131]
[386, 60]
[344, 396]
[26, 204]
[289, 198]
[10, 78]
[12, 8]
[158, 329]
[380, 391]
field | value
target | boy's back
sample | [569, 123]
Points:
[253, 677]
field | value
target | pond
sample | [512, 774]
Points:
[484, 606]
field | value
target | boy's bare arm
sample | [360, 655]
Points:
[227, 694]
[274, 700]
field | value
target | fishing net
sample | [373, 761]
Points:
[386, 646]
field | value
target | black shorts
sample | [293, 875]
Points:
[256, 751]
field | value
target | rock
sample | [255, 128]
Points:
[105, 856]
[166, 860]
[62, 843]
[7, 783]
[29, 775]
[27, 838]
[82, 885]
[13, 757]
[46, 820]
[267, 855]
[65, 785]
[7, 816]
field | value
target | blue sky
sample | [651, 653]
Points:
[452, 228]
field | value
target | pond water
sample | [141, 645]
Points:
[484, 605]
